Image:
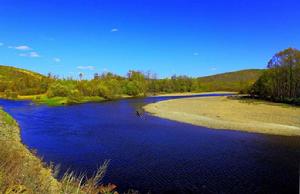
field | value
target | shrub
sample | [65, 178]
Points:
[57, 89]
[74, 97]
[10, 94]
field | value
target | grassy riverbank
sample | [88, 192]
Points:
[228, 113]
[21, 171]
[59, 101]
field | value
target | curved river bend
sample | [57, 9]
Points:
[154, 154]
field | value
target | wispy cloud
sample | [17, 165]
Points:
[1, 43]
[86, 67]
[21, 47]
[105, 70]
[114, 30]
[56, 59]
[195, 54]
[213, 69]
[30, 54]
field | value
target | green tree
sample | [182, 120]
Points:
[136, 84]
[281, 82]
[57, 89]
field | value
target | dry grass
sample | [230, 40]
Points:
[20, 170]
[81, 184]
[227, 113]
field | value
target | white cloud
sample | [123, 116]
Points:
[34, 54]
[105, 70]
[21, 48]
[86, 67]
[30, 54]
[56, 59]
[114, 30]
[213, 69]
[23, 55]
[1, 44]
[196, 54]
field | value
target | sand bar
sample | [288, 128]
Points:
[233, 114]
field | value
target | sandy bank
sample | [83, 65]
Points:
[192, 93]
[225, 113]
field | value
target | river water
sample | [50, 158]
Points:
[158, 155]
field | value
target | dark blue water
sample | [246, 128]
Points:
[157, 155]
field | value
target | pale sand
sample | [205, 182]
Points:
[225, 113]
[192, 93]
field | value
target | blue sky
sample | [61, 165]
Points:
[190, 37]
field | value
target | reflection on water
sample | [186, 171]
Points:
[149, 153]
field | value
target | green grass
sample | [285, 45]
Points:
[55, 101]
[61, 101]
[7, 118]
[58, 101]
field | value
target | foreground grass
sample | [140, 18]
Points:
[231, 113]
[21, 171]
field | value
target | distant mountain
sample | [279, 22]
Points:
[231, 81]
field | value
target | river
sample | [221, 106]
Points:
[153, 154]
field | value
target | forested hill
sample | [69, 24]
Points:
[24, 81]
[15, 83]
[231, 81]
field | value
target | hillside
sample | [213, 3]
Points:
[7, 73]
[231, 81]
[14, 79]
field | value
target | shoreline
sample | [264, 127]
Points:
[23, 171]
[42, 99]
[21, 168]
[231, 114]
[191, 93]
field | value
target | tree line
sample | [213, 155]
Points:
[281, 82]
[110, 86]
[15, 82]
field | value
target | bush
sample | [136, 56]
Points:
[74, 97]
[57, 89]
[103, 91]
[11, 94]
[134, 88]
